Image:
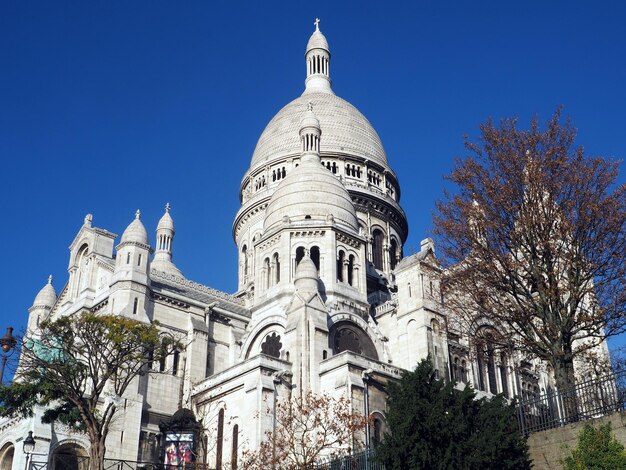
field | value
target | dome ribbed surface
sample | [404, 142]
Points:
[166, 222]
[135, 232]
[46, 296]
[317, 41]
[345, 131]
[311, 190]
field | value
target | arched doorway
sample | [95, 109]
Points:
[6, 456]
[70, 456]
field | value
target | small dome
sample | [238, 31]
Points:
[166, 222]
[317, 41]
[47, 296]
[306, 275]
[310, 119]
[311, 191]
[135, 232]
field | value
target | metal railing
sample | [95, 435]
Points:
[362, 460]
[582, 401]
[82, 463]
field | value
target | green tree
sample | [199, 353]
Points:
[433, 425]
[597, 449]
[535, 234]
[78, 367]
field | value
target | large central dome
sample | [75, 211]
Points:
[346, 130]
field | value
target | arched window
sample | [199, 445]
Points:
[315, 257]
[135, 306]
[379, 429]
[393, 253]
[220, 440]
[504, 374]
[491, 366]
[347, 336]
[480, 363]
[486, 360]
[351, 270]
[276, 268]
[299, 254]
[244, 259]
[340, 260]
[267, 272]
[377, 248]
[235, 445]
[175, 362]
[128, 258]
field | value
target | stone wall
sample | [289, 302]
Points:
[548, 448]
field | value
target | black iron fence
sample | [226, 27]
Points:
[362, 460]
[584, 400]
[72, 462]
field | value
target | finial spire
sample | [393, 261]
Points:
[50, 279]
[137, 214]
[317, 24]
[167, 207]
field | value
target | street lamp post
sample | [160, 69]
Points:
[7, 343]
[29, 447]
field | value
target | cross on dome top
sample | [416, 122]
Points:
[167, 207]
[317, 24]
[50, 279]
[137, 214]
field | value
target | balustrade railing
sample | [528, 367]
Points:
[584, 400]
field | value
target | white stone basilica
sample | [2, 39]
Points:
[324, 295]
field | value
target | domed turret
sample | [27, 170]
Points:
[135, 232]
[166, 224]
[310, 191]
[165, 238]
[317, 39]
[317, 62]
[46, 297]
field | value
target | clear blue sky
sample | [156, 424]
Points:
[110, 106]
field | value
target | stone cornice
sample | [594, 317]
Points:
[196, 286]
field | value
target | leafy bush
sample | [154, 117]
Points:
[597, 449]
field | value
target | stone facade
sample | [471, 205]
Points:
[325, 295]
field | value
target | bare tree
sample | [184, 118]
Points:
[78, 367]
[534, 240]
[307, 428]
